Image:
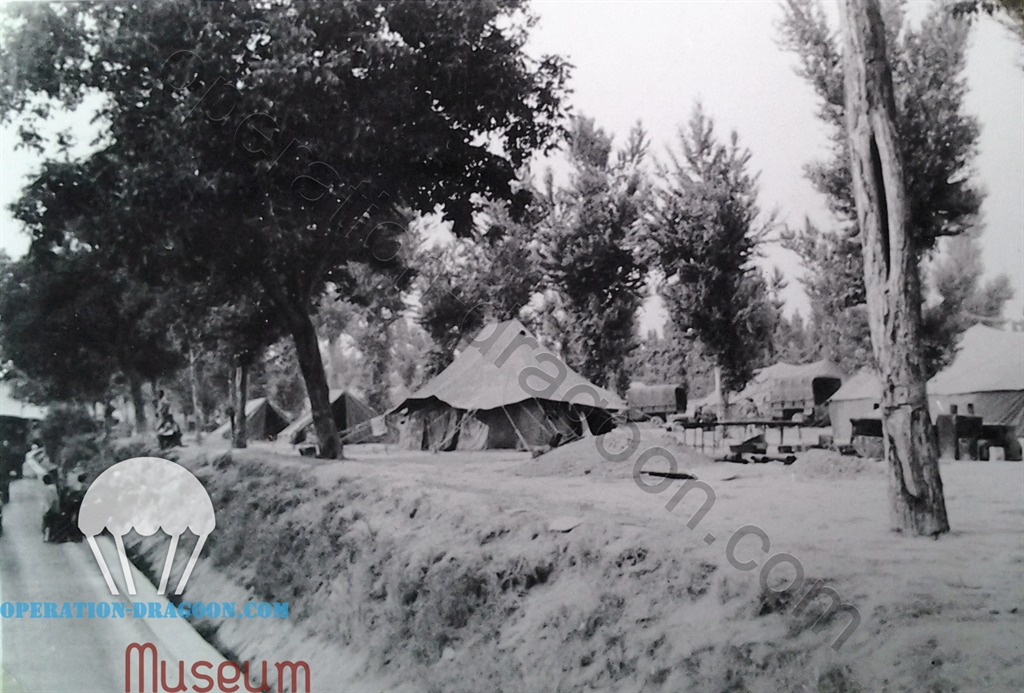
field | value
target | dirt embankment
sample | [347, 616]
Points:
[401, 577]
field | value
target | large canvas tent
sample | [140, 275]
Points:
[262, 421]
[504, 391]
[987, 374]
[351, 416]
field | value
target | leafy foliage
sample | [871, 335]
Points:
[465, 284]
[703, 235]
[586, 247]
[1010, 13]
[963, 300]
[72, 325]
[793, 342]
[938, 143]
[64, 425]
[660, 359]
[277, 145]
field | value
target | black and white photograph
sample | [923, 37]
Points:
[473, 346]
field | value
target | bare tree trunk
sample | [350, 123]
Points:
[239, 387]
[138, 402]
[193, 382]
[308, 352]
[891, 274]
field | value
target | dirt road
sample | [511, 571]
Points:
[77, 655]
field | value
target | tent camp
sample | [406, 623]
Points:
[784, 390]
[351, 415]
[987, 374]
[504, 391]
[262, 421]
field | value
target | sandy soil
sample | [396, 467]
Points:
[409, 570]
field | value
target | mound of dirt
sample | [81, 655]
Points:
[829, 464]
[613, 456]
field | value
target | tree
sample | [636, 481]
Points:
[794, 343]
[834, 282]
[660, 359]
[892, 280]
[411, 344]
[937, 144]
[274, 144]
[240, 330]
[371, 307]
[586, 246]
[490, 276]
[73, 325]
[963, 300]
[703, 235]
[1009, 13]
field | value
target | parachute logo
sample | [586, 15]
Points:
[146, 494]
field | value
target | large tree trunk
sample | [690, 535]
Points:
[307, 350]
[891, 274]
[239, 395]
[138, 402]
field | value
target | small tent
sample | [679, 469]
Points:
[858, 398]
[504, 390]
[351, 416]
[262, 421]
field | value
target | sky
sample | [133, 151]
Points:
[651, 60]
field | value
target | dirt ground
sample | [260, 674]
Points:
[419, 571]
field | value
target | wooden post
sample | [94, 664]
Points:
[891, 274]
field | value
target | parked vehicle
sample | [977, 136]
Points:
[656, 401]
